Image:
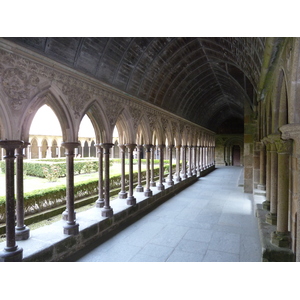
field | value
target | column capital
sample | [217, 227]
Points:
[70, 145]
[122, 147]
[148, 146]
[106, 145]
[178, 146]
[161, 146]
[131, 146]
[11, 144]
[283, 147]
[170, 146]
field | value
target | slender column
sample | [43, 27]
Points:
[178, 178]
[131, 200]
[139, 187]
[262, 168]
[160, 185]
[106, 211]
[189, 174]
[152, 182]
[271, 217]
[194, 160]
[266, 203]
[197, 161]
[71, 228]
[123, 193]
[100, 200]
[148, 191]
[170, 177]
[281, 237]
[11, 252]
[183, 170]
[22, 231]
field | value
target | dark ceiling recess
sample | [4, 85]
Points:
[204, 80]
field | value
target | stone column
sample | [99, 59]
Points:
[100, 200]
[22, 231]
[106, 211]
[160, 185]
[281, 237]
[152, 182]
[183, 171]
[266, 203]
[194, 172]
[148, 191]
[11, 252]
[262, 166]
[71, 228]
[131, 200]
[178, 178]
[189, 173]
[197, 161]
[271, 217]
[170, 177]
[123, 193]
[139, 187]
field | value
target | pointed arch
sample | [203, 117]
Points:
[54, 99]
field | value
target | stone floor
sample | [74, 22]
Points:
[213, 220]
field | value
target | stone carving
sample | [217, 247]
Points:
[17, 85]
[112, 110]
[77, 98]
[136, 115]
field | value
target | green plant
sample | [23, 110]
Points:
[51, 173]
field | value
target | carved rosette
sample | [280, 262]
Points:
[77, 98]
[17, 85]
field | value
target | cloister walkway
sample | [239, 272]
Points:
[212, 220]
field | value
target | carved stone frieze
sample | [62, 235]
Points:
[136, 116]
[113, 109]
[17, 85]
[77, 98]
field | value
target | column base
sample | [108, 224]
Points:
[271, 218]
[65, 215]
[71, 229]
[122, 195]
[261, 187]
[131, 200]
[107, 212]
[152, 183]
[281, 239]
[139, 189]
[148, 193]
[178, 179]
[170, 183]
[266, 205]
[160, 187]
[11, 255]
[22, 233]
[99, 203]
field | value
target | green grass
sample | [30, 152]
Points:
[32, 183]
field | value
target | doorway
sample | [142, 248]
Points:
[236, 155]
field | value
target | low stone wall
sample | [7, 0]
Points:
[50, 244]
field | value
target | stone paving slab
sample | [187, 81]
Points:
[212, 220]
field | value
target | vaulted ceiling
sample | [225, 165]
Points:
[204, 80]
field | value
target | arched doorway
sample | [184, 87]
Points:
[236, 155]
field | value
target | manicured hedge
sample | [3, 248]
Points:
[40, 200]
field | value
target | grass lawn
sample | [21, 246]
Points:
[32, 183]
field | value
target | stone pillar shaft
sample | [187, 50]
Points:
[152, 182]
[160, 185]
[100, 200]
[123, 193]
[131, 200]
[178, 178]
[183, 149]
[148, 191]
[11, 252]
[170, 178]
[22, 232]
[106, 211]
[72, 228]
[262, 166]
[139, 187]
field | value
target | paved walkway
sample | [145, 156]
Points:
[210, 221]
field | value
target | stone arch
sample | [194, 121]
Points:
[44, 148]
[53, 98]
[34, 148]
